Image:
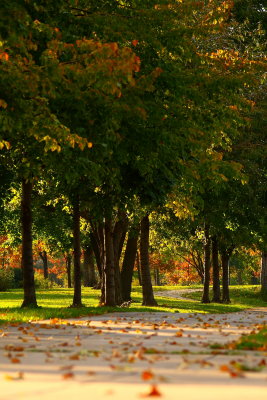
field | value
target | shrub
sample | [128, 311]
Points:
[6, 279]
[42, 283]
[18, 278]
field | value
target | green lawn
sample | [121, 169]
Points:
[55, 302]
[244, 296]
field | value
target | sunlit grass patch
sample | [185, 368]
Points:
[55, 303]
[255, 341]
[246, 296]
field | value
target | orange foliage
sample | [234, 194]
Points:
[175, 271]
[10, 257]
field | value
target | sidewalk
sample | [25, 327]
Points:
[122, 355]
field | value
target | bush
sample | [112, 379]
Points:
[42, 283]
[18, 278]
[6, 279]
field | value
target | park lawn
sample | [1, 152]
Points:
[55, 302]
[246, 296]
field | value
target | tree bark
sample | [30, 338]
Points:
[43, 255]
[128, 263]
[89, 276]
[118, 234]
[97, 253]
[138, 267]
[205, 296]
[109, 270]
[225, 256]
[264, 274]
[27, 257]
[148, 295]
[77, 296]
[216, 271]
[156, 277]
[68, 268]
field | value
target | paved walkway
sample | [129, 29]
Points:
[177, 294]
[125, 356]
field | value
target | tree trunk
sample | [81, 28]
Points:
[43, 255]
[77, 297]
[225, 277]
[205, 296]
[199, 265]
[68, 268]
[89, 277]
[27, 257]
[216, 271]
[138, 267]
[128, 263]
[118, 235]
[264, 274]
[148, 295]
[239, 277]
[156, 276]
[97, 252]
[109, 270]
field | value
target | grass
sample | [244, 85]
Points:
[242, 296]
[255, 341]
[55, 302]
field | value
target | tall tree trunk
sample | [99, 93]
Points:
[138, 267]
[77, 296]
[264, 274]
[27, 257]
[118, 234]
[68, 268]
[109, 270]
[225, 256]
[148, 295]
[43, 255]
[89, 277]
[199, 265]
[239, 277]
[97, 253]
[101, 246]
[205, 296]
[156, 276]
[216, 271]
[128, 263]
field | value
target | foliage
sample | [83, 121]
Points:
[174, 270]
[6, 279]
[41, 283]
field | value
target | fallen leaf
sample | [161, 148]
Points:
[74, 357]
[68, 375]
[20, 375]
[152, 392]
[147, 375]
[15, 360]
[90, 372]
